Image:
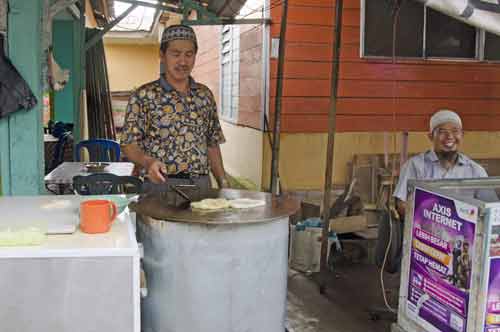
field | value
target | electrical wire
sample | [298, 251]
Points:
[382, 285]
[395, 18]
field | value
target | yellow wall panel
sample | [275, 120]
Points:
[302, 156]
[131, 65]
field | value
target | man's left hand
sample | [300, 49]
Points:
[223, 182]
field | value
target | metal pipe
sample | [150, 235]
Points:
[479, 183]
[277, 103]
[481, 14]
[331, 143]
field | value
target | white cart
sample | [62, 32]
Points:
[71, 282]
[450, 276]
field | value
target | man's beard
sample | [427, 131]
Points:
[450, 156]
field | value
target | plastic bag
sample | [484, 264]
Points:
[15, 94]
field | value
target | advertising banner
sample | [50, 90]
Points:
[492, 323]
[492, 310]
[441, 258]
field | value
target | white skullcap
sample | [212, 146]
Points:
[444, 116]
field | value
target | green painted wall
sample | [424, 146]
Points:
[64, 49]
[21, 134]
[68, 44]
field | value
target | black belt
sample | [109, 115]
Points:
[184, 175]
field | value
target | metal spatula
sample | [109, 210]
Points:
[187, 203]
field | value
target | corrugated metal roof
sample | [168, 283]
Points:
[143, 18]
[140, 19]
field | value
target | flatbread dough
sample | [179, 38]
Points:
[211, 204]
[222, 203]
[246, 203]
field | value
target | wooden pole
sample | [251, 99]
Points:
[277, 105]
[331, 144]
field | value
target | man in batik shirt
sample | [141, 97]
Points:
[171, 125]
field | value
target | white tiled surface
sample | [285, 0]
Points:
[119, 241]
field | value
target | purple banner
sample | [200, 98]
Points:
[442, 249]
[492, 323]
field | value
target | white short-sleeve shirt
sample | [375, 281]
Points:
[426, 166]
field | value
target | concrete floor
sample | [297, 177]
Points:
[351, 291]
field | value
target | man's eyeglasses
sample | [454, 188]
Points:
[449, 132]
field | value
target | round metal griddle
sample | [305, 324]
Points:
[156, 206]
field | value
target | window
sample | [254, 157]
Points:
[422, 33]
[492, 47]
[230, 72]
[378, 29]
[447, 37]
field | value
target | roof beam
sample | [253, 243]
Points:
[159, 5]
[207, 17]
[73, 9]
[92, 40]
[224, 21]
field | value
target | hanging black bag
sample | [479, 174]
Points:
[15, 94]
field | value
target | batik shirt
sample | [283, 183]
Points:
[174, 128]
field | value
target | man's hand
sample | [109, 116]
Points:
[223, 182]
[217, 167]
[156, 171]
[401, 208]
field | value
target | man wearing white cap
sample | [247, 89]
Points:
[443, 161]
[171, 126]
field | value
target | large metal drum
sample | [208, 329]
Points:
[215, 271]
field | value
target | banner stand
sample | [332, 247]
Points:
[450, 273]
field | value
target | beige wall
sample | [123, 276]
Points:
[242, 152]
[302, 156]
[131, 65]
[206, 69]
[251, 79]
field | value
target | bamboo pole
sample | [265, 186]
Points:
[331, 144]
[277, 105]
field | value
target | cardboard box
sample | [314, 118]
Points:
[350, 224]
[305, 249]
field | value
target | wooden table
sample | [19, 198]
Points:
[63, 174]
